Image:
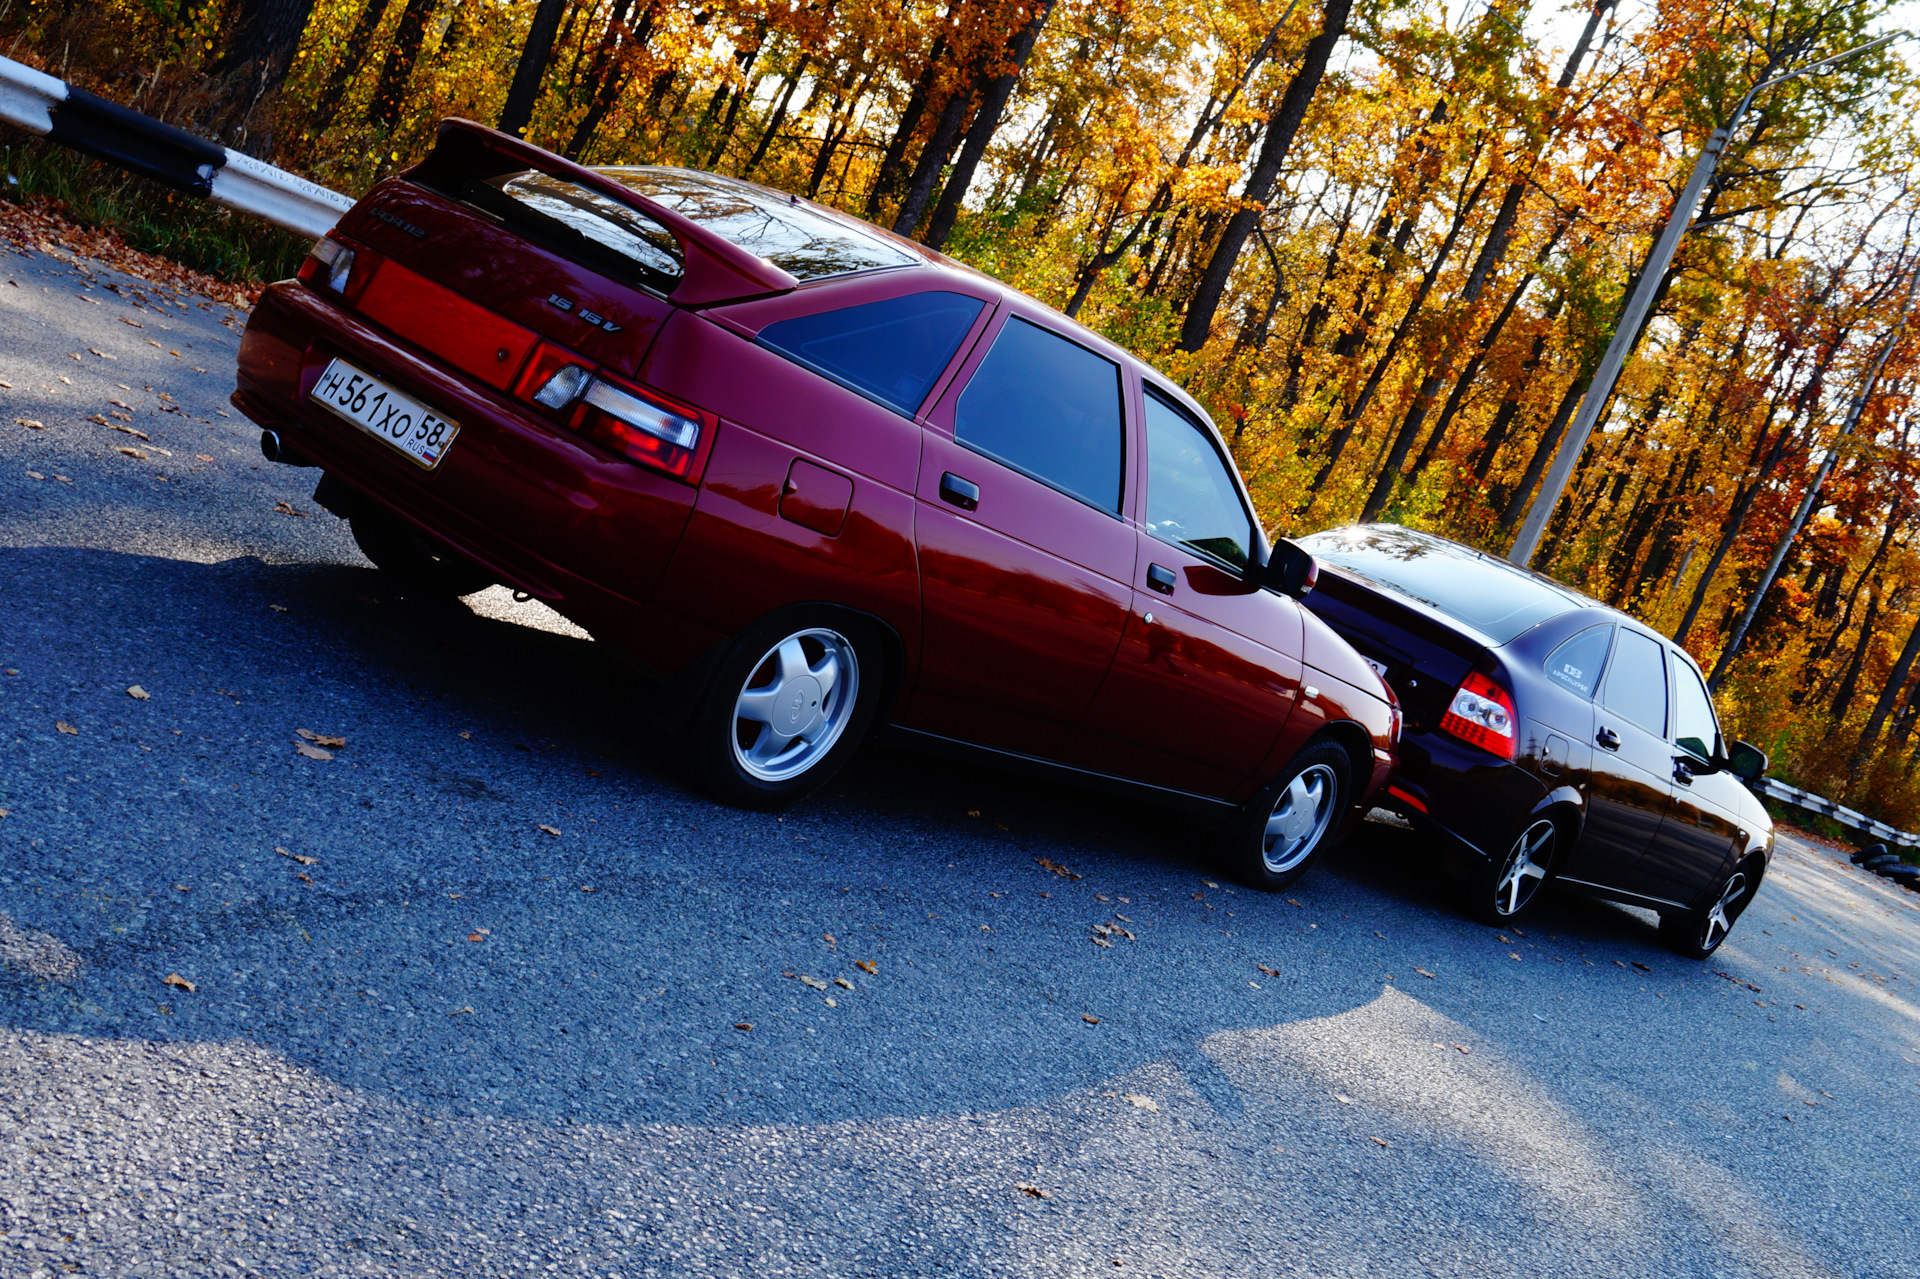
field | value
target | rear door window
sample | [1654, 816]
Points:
[891, 351]
[1576, 664]
[1050, 408]
[1192, 501]
[1637, 682]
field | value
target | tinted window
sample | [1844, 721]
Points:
[591, 228]
[802, 241]
[1050, 408]
[891, 350]
[1693, 725]
[1576, 663]
[1488, 594]
[1637, 682]
[1191, 500]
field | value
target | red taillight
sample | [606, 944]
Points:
[333, 267]
[1481, 715]
[628, 421]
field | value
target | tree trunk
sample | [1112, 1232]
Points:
[1843, 700]
[778, 118]
[531, 68]
[408, 36]
[986, 122]
[887, 178]
[933, 158]
[614, 68]
[1870, 735]
[1198, 322]
[1543, 452]
[326, 106]
[266, 35]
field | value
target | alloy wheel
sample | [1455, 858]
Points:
[1526, 868]
[1300, 817]
[1720, 915]
[795, 704]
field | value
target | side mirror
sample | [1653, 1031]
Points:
[1746, 761]
[1289, 570]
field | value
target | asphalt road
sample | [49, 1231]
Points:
[487, 1018]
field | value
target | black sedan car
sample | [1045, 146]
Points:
[1548, 737]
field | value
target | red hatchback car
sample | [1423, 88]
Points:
[811, 477]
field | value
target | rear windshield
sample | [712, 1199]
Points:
[1489, 595]
[891, 351]
[801, 241]
[592, 229]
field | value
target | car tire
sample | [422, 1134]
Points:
[418, 563]
[787, 706]
[1698, 933]
[1507, 889]
[1293, 819]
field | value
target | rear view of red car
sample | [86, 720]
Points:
[813, 479]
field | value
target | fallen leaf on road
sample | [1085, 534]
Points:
[586, 888]
[1642, 967]
[1376, 1141]
[311, 751]
[842, 981]
[304, 878]
[1513, 954]
[1115, 928]
[138, 694]
[1101, 941]
[1144, 1103]
[31, 424]
[35, 475]
[131, 452]
[1503, 937]
[302, 859]
[743, 1025]
[1271, 972]
[1463, 1048]
[66, 728]
[829, 939]
[814, 982]
[278, 608]
[182, 888]
[1618, 962]
[1031, 1191]
[1343, 1099]
[175, 979]
[1102, 929]
[476, 936]
[135, 323]
[321, 739]
[1209, 883]
[973, 812]
[1046, 864]
[465, 737]
[867, 966]
[286, 509]
[464, 1008]
[1090, 1019]
[832, 1002]
[130, 431]
[550, 830]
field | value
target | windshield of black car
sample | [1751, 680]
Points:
[593, 229]
[1485, 593]
[799, 239]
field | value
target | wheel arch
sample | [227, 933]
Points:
[1353, 738]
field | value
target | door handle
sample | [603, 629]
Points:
[1160, 579]
[964, 494]
[1682, 772]
[1608, 738]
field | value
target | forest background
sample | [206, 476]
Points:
[1386, 243]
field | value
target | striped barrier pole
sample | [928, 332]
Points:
[54, 109]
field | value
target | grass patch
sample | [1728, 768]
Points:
[187, 229]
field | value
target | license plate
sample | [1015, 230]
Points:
[1379, 668]
[378, 409]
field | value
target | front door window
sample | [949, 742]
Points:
[1192, 500]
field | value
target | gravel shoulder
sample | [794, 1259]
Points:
[471, 996]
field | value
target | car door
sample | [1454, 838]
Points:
[1209, 668]
[1025, 560]
[1631, 784]
[1688, 854]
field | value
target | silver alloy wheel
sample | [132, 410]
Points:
[1525, 870]
[1718, 922]
[795, 704]
[1300, 817]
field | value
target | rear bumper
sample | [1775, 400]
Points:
[514, 492]
[1476, 800]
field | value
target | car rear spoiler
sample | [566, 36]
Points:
[716, 269]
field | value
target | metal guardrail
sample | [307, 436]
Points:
[54, 109]
[1847, 817]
